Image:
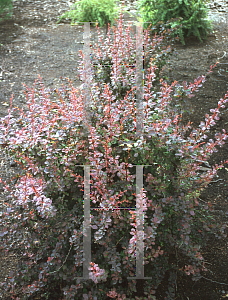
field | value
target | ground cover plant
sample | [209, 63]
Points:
[193, 16]
[61, 124]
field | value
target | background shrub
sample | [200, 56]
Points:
[6, 7]
[47, 200]
[192, 14]
[101, 11]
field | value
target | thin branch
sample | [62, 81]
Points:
[213, 280]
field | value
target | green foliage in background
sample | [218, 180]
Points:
[101, 11]
[192, 14]
[6, 8]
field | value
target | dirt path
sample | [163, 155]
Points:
[33, 44]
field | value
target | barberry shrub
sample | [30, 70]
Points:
[44, 215]
[192, 14]
[6, 7]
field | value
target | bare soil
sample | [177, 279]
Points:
[32, 44]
